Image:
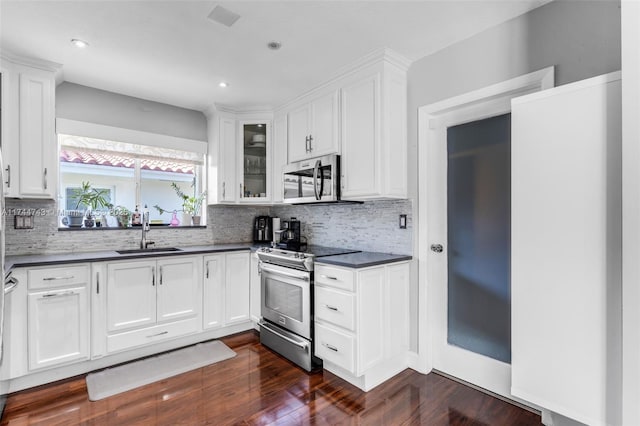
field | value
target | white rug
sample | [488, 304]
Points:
[111, 381]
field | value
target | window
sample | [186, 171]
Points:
[130, 176]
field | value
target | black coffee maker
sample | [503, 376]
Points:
[290, 236]
[262, 229]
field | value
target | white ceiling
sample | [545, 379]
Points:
[170, 52]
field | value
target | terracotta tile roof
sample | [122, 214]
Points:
[68, 155]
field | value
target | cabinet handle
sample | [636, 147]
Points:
[208, 268]
[306, 143]
[8, 169]
[332, 308]
[240, 190]
[224, 190]
[97, 282]
[70, 277]
[153, 275]
[310, 143]
[161, 275]
[44, 178]
[158, 334]
[64, 293]
[328, 277]
[331, 347]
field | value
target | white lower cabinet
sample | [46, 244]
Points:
[151, 300]
[226, 289]
[362, 321]
[73, 318]
[57, 316]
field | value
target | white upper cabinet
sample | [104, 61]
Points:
[361, 115]
[374, 134]
[222, 172]
[240, 158]
[254, 145]
[313, 128]
[28, 132]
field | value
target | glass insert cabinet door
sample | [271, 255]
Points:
[255, 167]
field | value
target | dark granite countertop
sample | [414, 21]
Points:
[362, 259]
[99, 256]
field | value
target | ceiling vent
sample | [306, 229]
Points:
[223, 16]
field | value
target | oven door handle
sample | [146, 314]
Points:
[302, 345]
[301, 277]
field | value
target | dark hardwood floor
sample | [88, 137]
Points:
[260, 387]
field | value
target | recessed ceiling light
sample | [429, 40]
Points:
[223, 84]
[274, 45]
[79, 43]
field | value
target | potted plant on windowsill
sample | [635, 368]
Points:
[191, 206]
[123, 216]
[90, 197]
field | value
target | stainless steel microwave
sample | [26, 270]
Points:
[316, 180]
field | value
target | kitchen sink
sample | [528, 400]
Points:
[149, 250]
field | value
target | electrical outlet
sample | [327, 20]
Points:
[23, 221]
[403, 221]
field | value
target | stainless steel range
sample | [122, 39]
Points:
[286, 286]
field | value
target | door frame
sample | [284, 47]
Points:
[470, 104]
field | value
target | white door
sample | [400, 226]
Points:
[213, 291]
[236, 297]
[298, 130]
[465, 231]
[37, 136]
[228, 160]
[177, 288]
[131, 295]
[58, 327]
[324, 134]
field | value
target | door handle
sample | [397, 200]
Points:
[302, 345]
[437, 248]
[316, 168]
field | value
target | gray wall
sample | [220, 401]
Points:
[581, 38]
[82, 103]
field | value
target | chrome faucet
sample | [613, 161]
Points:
[144, 244]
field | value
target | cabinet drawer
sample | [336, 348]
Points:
[146, 336]
[334, 277]
[57, 277]
[336, 307]
[336, 347]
